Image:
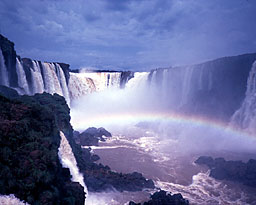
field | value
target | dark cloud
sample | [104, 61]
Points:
[134, 34]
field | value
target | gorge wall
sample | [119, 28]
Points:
[214, 89]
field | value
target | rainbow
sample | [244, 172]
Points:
[81, 122]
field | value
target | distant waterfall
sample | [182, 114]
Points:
[80, 85]
[245, 116]
[139, 80]
[22, 80]
[11, 200]
[63, 83]
[104, 80]
[37, 79]
[3, 71]
[51, 80]
[68, 160]
[187, 85]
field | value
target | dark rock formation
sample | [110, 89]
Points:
[29, 140]
[99, 177]
[91, 136]
[9, 54]
[231, 170]
[164, 198]
[8, 92]
[125, 77]
[215, 89]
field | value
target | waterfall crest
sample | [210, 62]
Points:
[68, 160]
[104, 80]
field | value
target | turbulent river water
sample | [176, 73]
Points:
[165, 150]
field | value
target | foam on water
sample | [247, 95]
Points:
[11, 200]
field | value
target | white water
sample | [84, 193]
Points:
[104, 80]
[63, 83]
[168, 158]
[22, 81]
[50, 79]
[245, 116]
[3, 70]
[11, 200]
[164, 150]
[37, 79]
[80, 85]
[68, 160]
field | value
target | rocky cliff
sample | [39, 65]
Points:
[29, 142]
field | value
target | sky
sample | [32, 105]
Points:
[129, 34]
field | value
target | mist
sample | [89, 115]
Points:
[139, 109]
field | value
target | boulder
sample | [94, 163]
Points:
[231, 170]
[164, 198]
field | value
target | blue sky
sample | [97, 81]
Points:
[129, 34]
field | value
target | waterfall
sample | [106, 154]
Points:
[139, 80]
[186, 85]
[245, 116]
[80, 85]
[4, 79]
[37, 79]
[49, 78]
[104, 80]
[63, 83]
[22, 80]
[11, 200]
[165, 87]
[68, 160]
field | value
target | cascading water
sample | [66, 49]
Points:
[104, 80]
[3, 71]
[68, 160]
[22, 81]
[63, 83]
[80, 85]
[52, 84]
[139, 80]
[245, 116]
[37, 79]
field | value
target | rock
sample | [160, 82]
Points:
[95, 157]
[205, 160]
[9, 54]
[8, 92]
[133, 203]
[125, 77]
[29, 140]
[163, 198]
[91, 136]
[231, 170]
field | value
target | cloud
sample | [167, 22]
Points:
[129, 33]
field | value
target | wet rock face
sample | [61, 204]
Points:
[29, 140]
[9, 54]
[125, 77]
[164, 198]
[91, 136]
[231, 170]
